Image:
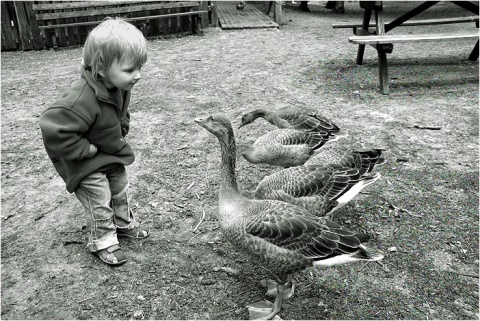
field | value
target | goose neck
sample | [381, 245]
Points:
[274, 119]
[227, 172]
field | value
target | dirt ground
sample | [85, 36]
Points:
[423, 213]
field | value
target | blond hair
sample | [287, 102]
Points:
[113, 39]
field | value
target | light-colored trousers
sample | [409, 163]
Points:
[104, 196]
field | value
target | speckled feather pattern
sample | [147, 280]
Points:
[286, 147]
[365, 160]
[306, 118]
[295, 117]
[309, 180]
[313, 187]
[285, 238]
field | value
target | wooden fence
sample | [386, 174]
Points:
[20, 29]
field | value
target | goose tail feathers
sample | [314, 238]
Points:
[364, 253]
[366, 180]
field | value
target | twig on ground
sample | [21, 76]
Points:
[15, 211]
[411, 214]
[404, 210]
[364, 265]
[91, 297]
[426, 127]
[464, 274]
[112, 297]
[185, 289]
[190, 186]
[203, 217]
[178, 305]
[193, 237]
[388, 181]
[384, 267]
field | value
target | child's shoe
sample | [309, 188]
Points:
[136, 232]
[112, 255]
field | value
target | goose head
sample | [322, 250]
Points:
[217, 124]
[250, 117]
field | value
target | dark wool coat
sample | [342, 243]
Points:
[86, 114]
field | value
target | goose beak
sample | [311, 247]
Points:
[200, 120]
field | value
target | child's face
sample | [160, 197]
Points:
[122, 74]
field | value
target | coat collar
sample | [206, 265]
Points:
[100, 90]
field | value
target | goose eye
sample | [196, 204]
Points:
[212, 118]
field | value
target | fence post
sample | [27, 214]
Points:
[9, 32]
[278, 12]
[32, 22]
[26, 39]
[213, 13]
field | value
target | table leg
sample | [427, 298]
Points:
[366, 22]
[383, 70]
[474, 54]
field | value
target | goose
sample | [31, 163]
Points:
[286, 147]
[280, 237]
[319, 189]
[296, 117]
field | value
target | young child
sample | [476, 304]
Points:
[83, 134]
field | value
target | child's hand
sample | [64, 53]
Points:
[125, 127]
[92, 151]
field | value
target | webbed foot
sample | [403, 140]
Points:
[261, 310]
[272, 288]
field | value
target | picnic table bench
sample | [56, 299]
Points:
[383, 42]
[62, 20]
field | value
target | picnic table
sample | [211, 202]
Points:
[375, 34]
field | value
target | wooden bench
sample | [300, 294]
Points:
[390, 39]
[66, 23]
[419, 22]
[383, 42]
[384, 45]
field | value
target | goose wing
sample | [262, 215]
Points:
[305, 118]
[292, 228]
[365, 161]
[301, 181]
[313, 140]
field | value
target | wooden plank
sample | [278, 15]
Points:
[166, 25]
[277, 13]
[34, 31]
[214, 15]
[61, 33]
[380, 27]
[204, 17]
[387, 39]
[23, 27]
[174, 21]
[250, 17]
[422, 22]
[410, 14]
[101, 11]
[185, 23]
[126, 19]
[58, 5]
[9, 32]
